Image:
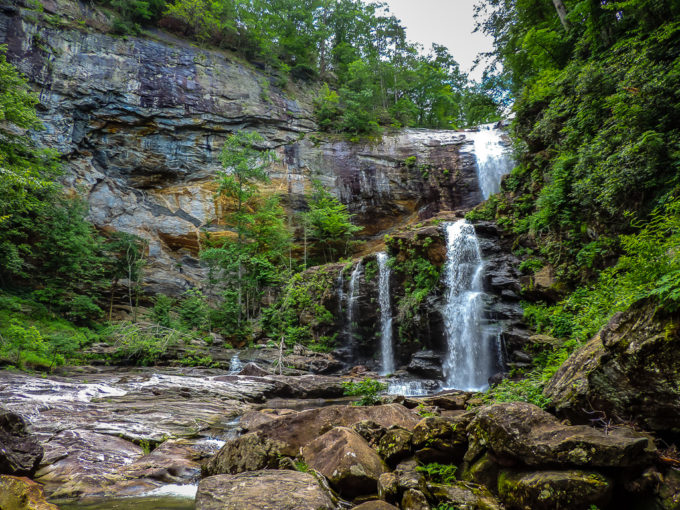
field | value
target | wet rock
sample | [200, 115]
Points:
[465, 496]
[246, 453]
[525, 433]
[346, 459]
[426, 364]
[388, 488]
[629, 369]
[298, 387]
[484, 471]
[253, 419]
[253, 369]
[408, 477]
[395, 445]
[20, 452]
[81, 463]
[22, 494]
[298, 429]
[451, 401]
[375, 505]
[370, 431]
[547, 490]
[414, 500]
[172, 462]
[439, 440]
[266, 490]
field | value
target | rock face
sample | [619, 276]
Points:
[266, 490]
[170, 106]
[344, 457]
[20, 452]
[628, 370]
[524, 433]
[22, 494]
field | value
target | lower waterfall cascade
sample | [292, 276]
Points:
[470, 358]
[386, 348]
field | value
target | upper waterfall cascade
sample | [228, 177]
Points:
[493, 158]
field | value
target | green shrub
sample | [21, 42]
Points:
[439, 473]
[368, 390]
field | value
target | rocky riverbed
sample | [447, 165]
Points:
[266, 441]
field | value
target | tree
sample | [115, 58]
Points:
[328, 224]
[254, 259]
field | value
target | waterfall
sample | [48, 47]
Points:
[351, 305]
[470, 358]
[385, 314]
[493, 158]
[235, 365]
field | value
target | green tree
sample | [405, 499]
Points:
[246, 265]
[328, 224]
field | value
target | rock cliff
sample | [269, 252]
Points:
[140, 121]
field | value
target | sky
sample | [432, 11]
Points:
[446, 22]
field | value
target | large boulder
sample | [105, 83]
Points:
[465, 496]
[375, 505]
[20, 452]
[439, 440]
[346, 459]
[22, 494]
[296, 430]
[246, 453]
[547, 490]
[628, 370]
[523, 433]
[395, 445]
[265, 490]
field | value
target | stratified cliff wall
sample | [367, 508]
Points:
[140, 122]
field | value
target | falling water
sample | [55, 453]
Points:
[235, 365]
[470, 358]
[385, 314]
[352, 303]
[493, 158]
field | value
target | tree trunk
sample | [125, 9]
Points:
[562, 13]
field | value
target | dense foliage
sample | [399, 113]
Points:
[597, 131]
[374, 76]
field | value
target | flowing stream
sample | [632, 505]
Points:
[385, 314]
[469, 362]
[493, 158]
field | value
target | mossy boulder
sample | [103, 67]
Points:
[439, 440]
[465, 496]
[18, 493]
[548, 490]
[524, 433]
[395, 445]
[630, 368]
[250, 452]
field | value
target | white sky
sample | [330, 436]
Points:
[446, 22]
